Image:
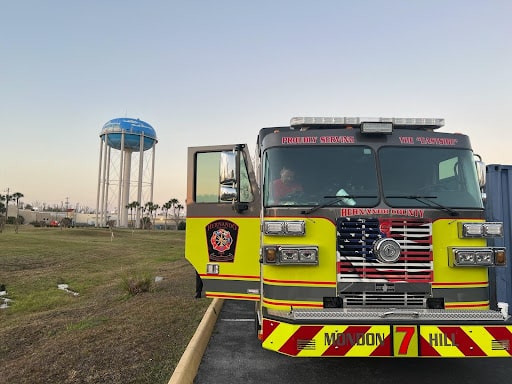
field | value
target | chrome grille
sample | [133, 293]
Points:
[378, 299]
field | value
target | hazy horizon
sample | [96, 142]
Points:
[205, 73]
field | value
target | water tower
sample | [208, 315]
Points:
[127, 158]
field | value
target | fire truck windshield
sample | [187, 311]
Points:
[321, 175]
[311, 176]
[447, 176]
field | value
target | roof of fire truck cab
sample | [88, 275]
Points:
[420, 127]
[310, 123]
[265, 131]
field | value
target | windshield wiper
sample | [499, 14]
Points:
[337, 199]
[427, 200]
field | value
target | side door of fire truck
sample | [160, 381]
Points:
[223, 221]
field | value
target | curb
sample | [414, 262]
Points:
[188, 365]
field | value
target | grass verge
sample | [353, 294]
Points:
[126, 315]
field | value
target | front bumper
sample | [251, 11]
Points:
[388, 333]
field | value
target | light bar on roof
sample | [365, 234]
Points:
[432, 123]
[371, 127]
[324, 121]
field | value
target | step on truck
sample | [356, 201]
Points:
[353, 236]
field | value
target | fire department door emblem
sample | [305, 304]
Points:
[221, 237]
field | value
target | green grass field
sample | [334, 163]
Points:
[103, 333]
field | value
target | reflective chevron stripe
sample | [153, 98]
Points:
[387, 340]
[461, 341]
[318, 340]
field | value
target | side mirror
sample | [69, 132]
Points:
[228, 168]
[480, 171]
[227, 193]
[229, 179]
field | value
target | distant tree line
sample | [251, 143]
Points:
[147, 213]
[149, 210]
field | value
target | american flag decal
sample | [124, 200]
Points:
[500, 345]
[357, 262]
[303, 345]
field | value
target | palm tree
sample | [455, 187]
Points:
[3, 208]
[166, 208]
[154, 207]
[6, 198]
[151, 207]
[142, 209]
[17, 196]
[175, 203]
[180, 207]
[148, 208]
[2, 205]
[131, 206]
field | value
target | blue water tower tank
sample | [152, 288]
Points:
[133, 130]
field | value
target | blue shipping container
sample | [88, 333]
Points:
[499, 208]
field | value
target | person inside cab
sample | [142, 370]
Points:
[285, 186]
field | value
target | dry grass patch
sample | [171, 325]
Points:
[104, 334]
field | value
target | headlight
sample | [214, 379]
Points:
[284, 228]
[290, 255]
[493, 229]
[273, 227]
[477, 257]
[472, 230]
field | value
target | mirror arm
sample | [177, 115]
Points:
[240, 207]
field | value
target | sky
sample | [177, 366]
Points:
[215, 72]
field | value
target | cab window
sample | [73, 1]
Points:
[207, 184]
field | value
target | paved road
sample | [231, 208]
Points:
[234, 355]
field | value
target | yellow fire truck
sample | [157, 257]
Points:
[376, 247]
